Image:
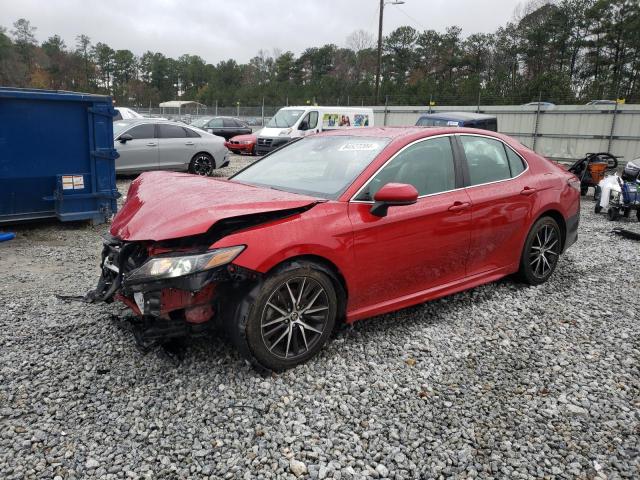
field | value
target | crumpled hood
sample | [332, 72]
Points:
[165, 205]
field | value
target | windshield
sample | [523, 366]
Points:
[284, 118]
[318, 166]
[119, 127]
[200, 122]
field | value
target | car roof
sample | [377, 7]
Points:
[405, 135]
[151, 120]
[401, 132]
[458, 116]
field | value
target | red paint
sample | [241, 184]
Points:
[165, 205]
[129, 303]
[441, 244]
[236, 145]
[197, 305]
[396, 192]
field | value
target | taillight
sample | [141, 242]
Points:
[574, 183]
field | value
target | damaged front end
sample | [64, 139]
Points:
[173, 290]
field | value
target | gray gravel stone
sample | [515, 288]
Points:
[505, 381]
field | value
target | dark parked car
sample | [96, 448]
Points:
[226, 127]
[365, 221]
[459, 119]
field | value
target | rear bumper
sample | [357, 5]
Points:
[572, 230]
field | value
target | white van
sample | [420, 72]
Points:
[292, 122]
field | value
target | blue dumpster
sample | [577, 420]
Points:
[56, 156]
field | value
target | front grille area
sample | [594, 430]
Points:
[265, 142]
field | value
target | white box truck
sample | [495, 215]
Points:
[292, 122]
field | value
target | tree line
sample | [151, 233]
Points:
[563, 51]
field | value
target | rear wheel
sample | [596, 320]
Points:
[253, 151]
[291, 317]
[541, 251]
[202, 164]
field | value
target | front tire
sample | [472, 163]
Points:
[541, 252]
[202, 164]
[292, 317]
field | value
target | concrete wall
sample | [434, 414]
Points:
[563, 132]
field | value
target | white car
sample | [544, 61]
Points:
[123, 113]
[153, 144]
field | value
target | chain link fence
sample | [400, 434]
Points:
[559, 131]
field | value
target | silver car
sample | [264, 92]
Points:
[153, 144]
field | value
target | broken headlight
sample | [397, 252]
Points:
[159, 268]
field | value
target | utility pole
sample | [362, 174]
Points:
[382, 4]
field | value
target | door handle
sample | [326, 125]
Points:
[459, 206]
[528, 191]
[189, 143]
[151, 144]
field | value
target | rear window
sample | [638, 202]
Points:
[192, 134]
[436, 122]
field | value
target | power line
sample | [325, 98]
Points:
[411, 18]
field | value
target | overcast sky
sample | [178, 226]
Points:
[221, 29]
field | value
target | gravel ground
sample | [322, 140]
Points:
[502, 381]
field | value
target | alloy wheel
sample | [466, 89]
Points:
[544, 252]
[202, 165]
[294, 317]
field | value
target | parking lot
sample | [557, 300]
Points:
[502, 381]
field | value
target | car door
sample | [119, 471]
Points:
[139, 153]
[242, 128]
[216, 126]
[175, 146]
[502, 196]
[417, 247]
[309, 124]
[233, 127]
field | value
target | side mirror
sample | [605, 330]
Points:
[392, 195]
[304, 125]
[124, 138]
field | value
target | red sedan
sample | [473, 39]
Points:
[334, 227]
[242, 144]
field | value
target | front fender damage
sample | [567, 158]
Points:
[183, 306]
[165, 310]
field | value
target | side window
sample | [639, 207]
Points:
[515, 162]
[427, 165]
[171, 131]
[492, 125]
[229, 123]
[486, 159]
[215, 123]
[309, 122]
[192, 133]
[313, 119]
[142, 131]
[118, 116]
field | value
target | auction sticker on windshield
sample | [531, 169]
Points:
[358, 147]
